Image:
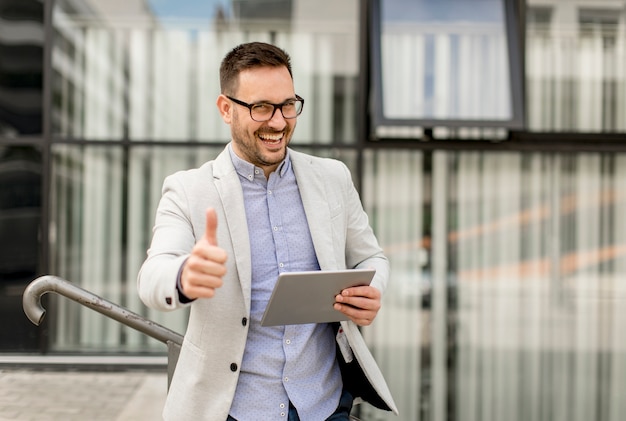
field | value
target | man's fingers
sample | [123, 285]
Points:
[201, 277]
[359, 316]
[210, 232]
[360, 304]
[194, 291]
[207, 262]
[204, 281]
[362, 291]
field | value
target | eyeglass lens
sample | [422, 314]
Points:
[264, 112]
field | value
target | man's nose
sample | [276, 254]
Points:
[277, 121]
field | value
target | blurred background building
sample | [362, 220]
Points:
[487, 139]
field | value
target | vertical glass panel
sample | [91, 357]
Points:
[445, 60]
[540, 254]
[149, 70]
[20, 225]
[396, 194]
[519, 277]
[87, 242]
[21, 67]
[575, 67]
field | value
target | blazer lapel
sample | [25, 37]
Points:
[229, 188]
[313, 194]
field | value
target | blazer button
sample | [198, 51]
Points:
[233, 367]
[244, 321]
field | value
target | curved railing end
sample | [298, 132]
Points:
[31, 299]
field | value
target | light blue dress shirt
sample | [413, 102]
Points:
[282, 363]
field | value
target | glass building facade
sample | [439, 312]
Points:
[507, 242]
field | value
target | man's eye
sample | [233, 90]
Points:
[263, 108]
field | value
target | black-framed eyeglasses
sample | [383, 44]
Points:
[264, 111]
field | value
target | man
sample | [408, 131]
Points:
[223, 233]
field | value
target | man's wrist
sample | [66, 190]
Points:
[179, 286]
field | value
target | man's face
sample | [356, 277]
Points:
[263, 144]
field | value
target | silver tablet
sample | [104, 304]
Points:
[308, 297]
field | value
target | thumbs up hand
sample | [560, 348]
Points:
[204, 268]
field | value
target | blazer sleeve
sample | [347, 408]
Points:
[173, 238]
[362, 247]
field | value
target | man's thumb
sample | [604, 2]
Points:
[210, 232]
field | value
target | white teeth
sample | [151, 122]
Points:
[274, 138]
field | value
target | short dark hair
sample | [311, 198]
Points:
[248, 56]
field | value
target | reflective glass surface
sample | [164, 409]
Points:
[21, 67]
[575, 67]
[444, 60]
[20, 245]
[148, 71]
[507, 297]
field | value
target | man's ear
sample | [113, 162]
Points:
[225, 108]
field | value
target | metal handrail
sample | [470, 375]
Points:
[31, 302]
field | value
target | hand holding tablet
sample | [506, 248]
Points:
[309, 297]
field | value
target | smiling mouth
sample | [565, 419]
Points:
[271, 138]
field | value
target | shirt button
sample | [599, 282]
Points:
[281, 265]
[233, 367]
[288, 341]
[269, 192]
[282, 405]
[275, 228]
[256, 171]
[244, 321]
[282, 414]
[286, 379]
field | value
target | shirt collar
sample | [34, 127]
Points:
[249, 171]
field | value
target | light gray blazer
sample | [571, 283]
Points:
[204, 382]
